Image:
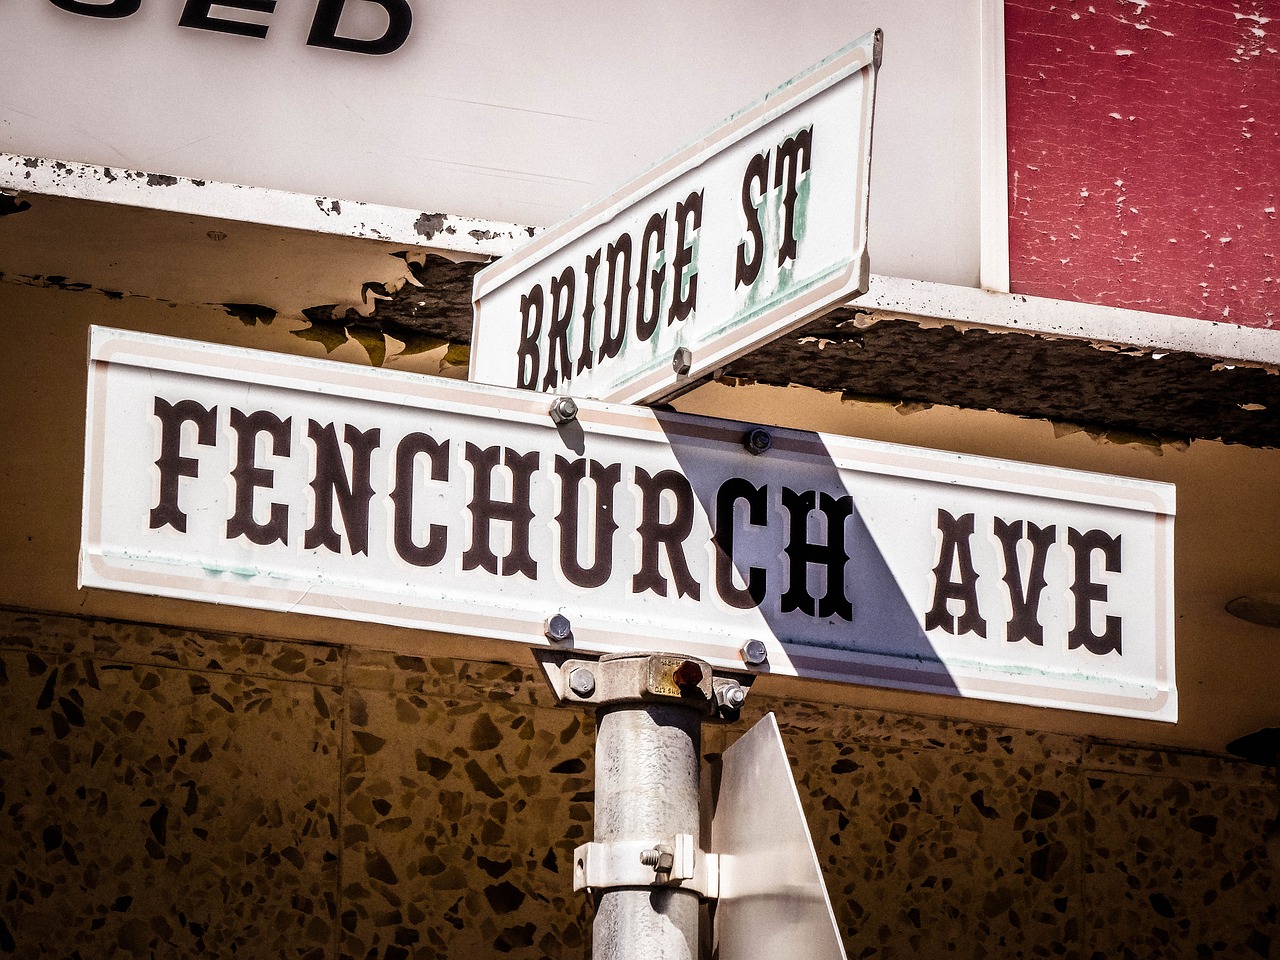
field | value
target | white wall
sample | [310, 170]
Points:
[509, 111]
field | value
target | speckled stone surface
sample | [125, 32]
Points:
[940, 840]
[1177, 867]
[461, 806]
[165, 795]
[171, 793]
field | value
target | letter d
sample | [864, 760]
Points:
[324, 28]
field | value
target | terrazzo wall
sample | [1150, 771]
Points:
[169, 793]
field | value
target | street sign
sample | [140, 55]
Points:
[745, 234]
[285, 483]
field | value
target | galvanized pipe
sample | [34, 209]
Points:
[647, 766]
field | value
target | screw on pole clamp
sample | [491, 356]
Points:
[642, 863]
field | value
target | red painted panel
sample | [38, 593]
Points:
[1144, 154]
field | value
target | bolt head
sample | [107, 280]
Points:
[754, 653]
[582, 681]
[682, 360]
[735, 697]
[557, 628]
[563, 409]
[757, 441]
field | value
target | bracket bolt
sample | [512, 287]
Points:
[754, 653]
[682, 360]
[735, 697]
[661, 858]
[557, 628]
[757, 441]
[563, 409]
[582, 681]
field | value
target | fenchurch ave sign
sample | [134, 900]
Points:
[749, 232]
[283, 483]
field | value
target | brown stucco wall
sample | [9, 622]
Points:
[175, 793]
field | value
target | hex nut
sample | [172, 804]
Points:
[557, 628]
[563, 409]
[757, 441]
[754, 653]
[582, 681]
[682, 360]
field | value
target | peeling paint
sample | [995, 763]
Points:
[1118, 395]
[250, 313]
[10, 204]
[429, 224]
[454, 235]
[1190, 146]
[63, 283]
[1157, 397]
[1151, 443]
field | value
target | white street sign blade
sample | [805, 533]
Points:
[276, 482]
[750, 232]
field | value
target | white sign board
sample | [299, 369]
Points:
[292, 484]
[508, 111]
[743, 235]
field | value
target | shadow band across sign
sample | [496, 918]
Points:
[750, 232]
[737, 239]
[284, 483]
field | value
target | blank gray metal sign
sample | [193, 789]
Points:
[773, 903]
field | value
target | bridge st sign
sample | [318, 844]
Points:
[291, 484]
[748, 233]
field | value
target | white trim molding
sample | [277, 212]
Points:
[993, 249]
[463, 237]
[1151, 332]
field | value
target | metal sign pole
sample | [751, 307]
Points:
[646, 868]
[647, 761]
